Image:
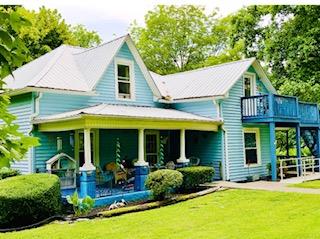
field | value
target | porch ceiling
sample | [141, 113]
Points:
[126, 117]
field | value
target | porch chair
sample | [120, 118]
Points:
[104, 176]
[119, 174]
[194, 161]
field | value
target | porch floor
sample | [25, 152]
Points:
[294, 180]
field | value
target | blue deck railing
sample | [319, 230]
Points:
[278, 108]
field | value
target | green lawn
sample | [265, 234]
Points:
[309, 184]
[228, 214]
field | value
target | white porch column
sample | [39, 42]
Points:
[87, 166]
[141, 161]
[182, 158]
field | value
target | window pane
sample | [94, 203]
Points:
[251, 156]
[124, 88]
[250, 140]
[123, 71]
[247, 87]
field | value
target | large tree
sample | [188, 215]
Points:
[49, 30]
[174, 38]
[287, 40]
[13, 144]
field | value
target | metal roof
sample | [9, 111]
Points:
[73, 68]
[206, 82]
[126, 111]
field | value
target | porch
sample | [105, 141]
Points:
[114, 155]
[282, 113]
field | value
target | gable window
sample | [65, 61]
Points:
[249, 84]
[251, 146]
[124, 79]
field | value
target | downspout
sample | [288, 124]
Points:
[225, 159]
[35, 112]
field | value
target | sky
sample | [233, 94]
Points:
[112, 18]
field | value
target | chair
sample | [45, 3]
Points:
[119, 174]
[194, 161]
[104, 176]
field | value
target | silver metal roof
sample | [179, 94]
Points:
[206, 82]
[126, 111]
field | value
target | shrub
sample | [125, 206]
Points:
[162, 182]
[27, 199]
[81, 206]
[8, 172]
[196, 175]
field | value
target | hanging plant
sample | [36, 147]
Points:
[118, 153]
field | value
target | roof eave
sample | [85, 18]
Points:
[28, 89]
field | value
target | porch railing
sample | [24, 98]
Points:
[270, 107]
[301, 167]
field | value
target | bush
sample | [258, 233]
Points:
[196, 175]
[81, 206]
[27, 199]
[8, 172]
[162, 182]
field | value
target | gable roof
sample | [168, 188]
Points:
[74, 68]
[213, 81]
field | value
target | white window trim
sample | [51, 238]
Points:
[129, 63]
[258, 143]
[252, 77]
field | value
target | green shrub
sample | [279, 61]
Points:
[81, 206]
[27, 199]
[162, 182]
[8, 172]
[196, 175]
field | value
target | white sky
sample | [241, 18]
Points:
[112, 18]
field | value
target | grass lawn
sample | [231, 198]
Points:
[228, 214]
[309, 184]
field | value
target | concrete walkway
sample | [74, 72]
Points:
[265, 185]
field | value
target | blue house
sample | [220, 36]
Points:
[100, 110]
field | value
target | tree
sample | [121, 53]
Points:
[84, 37]
[174, 38]
[49, 30]
[13, 144]
[286, 39]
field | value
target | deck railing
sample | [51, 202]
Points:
[272, 107]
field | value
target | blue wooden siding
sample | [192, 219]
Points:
[22, 107]
[231, 113]
[203, 108]
[48, 147]
[208, 147]
[106, 87]
[260, 87]
[53, 103]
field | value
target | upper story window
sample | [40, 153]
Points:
[249, 84]
[124, 79]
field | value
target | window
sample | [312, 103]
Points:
[249, 85]
[152, 147]
[124, 79]
[251, 146]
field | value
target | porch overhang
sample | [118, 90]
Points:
[152, 118]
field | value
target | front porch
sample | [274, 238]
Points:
[113, 157]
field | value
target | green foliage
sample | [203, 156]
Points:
[196, 175]
[6, 172]
[81, 206]
[162, 182]
[47, 30]
[27, 199]
[13, 144]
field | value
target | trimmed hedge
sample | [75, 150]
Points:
[27, 199]
[8, 172]
[162, 182]
[195, 175]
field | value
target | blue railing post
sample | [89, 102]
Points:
[271, 104]
[272, 131]
[297, 107]
[298, 146]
